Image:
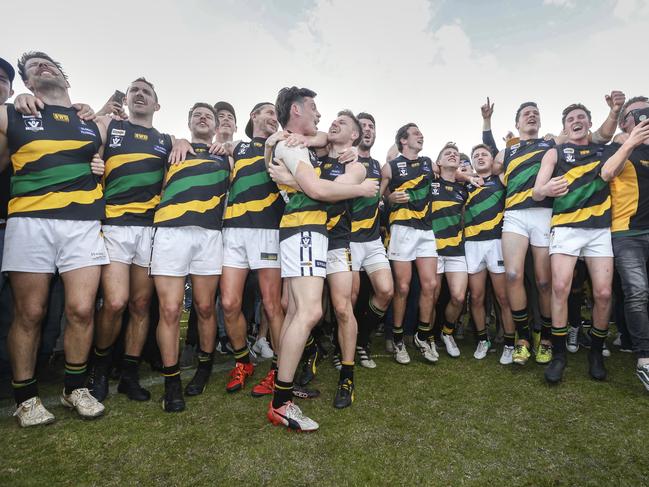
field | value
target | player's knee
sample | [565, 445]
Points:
[514, 277]
[457, 299]
[115, 304]
[343, 312]
[205, 310]
[170, 312]
[383, 296]
[231, 303]
[602, 295]
[560, 287]
[31, 315]
[544, 286]
[139, 305]
[403, 288]
[80, 313]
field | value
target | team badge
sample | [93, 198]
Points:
[33, 123]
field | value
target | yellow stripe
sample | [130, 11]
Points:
[113, 211]
[473, 230]
[514, 163]
[367, 223]
[473, 194]
[410, 184]
[237, 209]
[174, 168]
[407, 214]
[311, 217]
[36, 149]
[577, 172]
[241, 163]
[440, 205]
[442, 243]
[625, 195]
[114, 162]
[582, 214]
[518, 198]
[171, 212]
[51, 201]
[333, 222]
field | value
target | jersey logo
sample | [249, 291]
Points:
[141, 136]
[258, 144]
[402, 164]
[403, 171]
[33, 124]
[569, 153]
[61, 117]
[514, 148]
[118, 132]
[243, 148]
[160, 149]
[543, 145]
[584, 152]
[115, 141]
[305, 241]
[434, 188]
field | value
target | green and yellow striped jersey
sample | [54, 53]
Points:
[447, 205]
[365, 211]
[483, 211]
[522, 163]
[412, 177]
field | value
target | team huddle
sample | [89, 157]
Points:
[124, 212]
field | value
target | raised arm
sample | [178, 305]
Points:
[605, 132]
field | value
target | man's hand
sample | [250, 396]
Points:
[218, 149]
[476, 181]
[555, 187]
[84, 112]
[369, 188]
[398, 197]
[280, 174]
[348, 156]
[487, 110]
[97, 165]
[179, 151]
[275, 138]
[113, 109]
[296, 140]
[639, 135]
[615, 101]
[28, 104]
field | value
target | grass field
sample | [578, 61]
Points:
[460, 422]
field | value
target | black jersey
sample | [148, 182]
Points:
[522, 163]
[365, 211]
[412, 177]
[483, 212]
[338, 214]
[448, 201]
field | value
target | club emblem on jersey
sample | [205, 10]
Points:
[118, 132]
[305, 241]
[116, 141]
[569, 153]
[403, 171]
[434, 188]
[243, 147]
[141, 136]
[61, 117]
[33, 124]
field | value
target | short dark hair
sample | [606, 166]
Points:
[200, 104]
[481, 146]
[285, 99]
[36, 54]
[366, 116]
[402, 133]
[570, 108]
[350, 114]
[522, 107]
[146, 82]
[448, 145]
[626, 105]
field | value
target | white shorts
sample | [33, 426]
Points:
[129, 245]
[339, 260]
[304, 254]
[484, 254]
[581, 242]
[451, 264]
[369, 256]
[533, 223]
[180, 251]
[43, 245]
[408, 244]
[251, 248]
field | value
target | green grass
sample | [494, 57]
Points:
[461, 422]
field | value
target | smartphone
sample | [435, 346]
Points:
[118, 96]
[640, 115]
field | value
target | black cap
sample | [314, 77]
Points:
[256, 107]
[9, 69]
[224, 105]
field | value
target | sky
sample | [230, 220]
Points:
[431, 62]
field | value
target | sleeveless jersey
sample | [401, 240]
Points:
[483, 212]
[522, 163]
[630, 193]
[365, 211]
[414, 178]
[302, 213]
[588, 201]
[50, 156]
[135, 160]
[194, 191]
[338, 214]
[254, 201]
[448, 201]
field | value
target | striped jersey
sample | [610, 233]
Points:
[483, 211]
[630, 193]
[522, 163]
[447, 204]
[338, 214]
[413, 177]
[50, 156]
[302, 213]
[365, 211]
[135, 159]
[254, 201]
[195, 191]
[587, 204]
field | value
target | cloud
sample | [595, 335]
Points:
[560, 3]
[629, 9]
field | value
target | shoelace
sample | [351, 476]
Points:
[347, 385]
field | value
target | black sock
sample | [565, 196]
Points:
[242, 355]
[574, 308]
[424, 331]
[522, 324]
[368, 322]
[546, 328]
[397, 334]
[481, 335]
[75, 376]
[448, 327]
[346, 371]
[206, 360]
[130, 364]
[101, 358]
[171, 374]
[310, 347]
[24, 389]
[559, 340]
[508, 339]
[597, 338]
[273, 363]
[283, 393]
